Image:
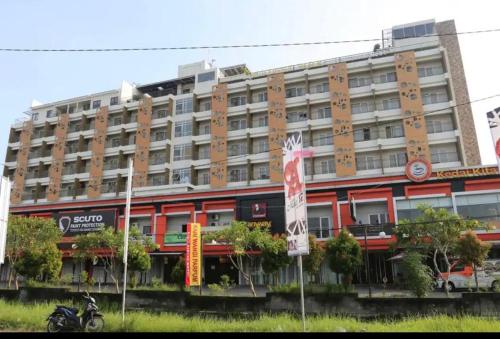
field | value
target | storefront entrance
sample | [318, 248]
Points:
[215, 267]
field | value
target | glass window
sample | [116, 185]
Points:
[484, 207]
[392, 103]
[161, 113]
[261, 146]
[407, 208]
[419, 30]
[238, 148]
[296, 116]
[319, 226]
[262, 96]
[238, 101]
[51, 113]
[182, 152]
[204, 152]
[434, 97]
[208, 76]
[204, 178]
[183, 106]
[181, 176]
[237, 124]
[322, 113]
[410, 32]
[323, 138]
[326, 166]
[361, 107]
[237, 174]
[113, 101]
[441, 155]
[429, 28]
[294, 92]
[183, 128]
[367, 162]
[321, 88]
[398, 33]
[394, 131]
[160, 135]
[96, 104]
[260, 121]
[397, 159]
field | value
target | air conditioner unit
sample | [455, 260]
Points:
[215, 216]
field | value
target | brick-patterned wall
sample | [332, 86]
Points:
[55, 171]
[456, 70]
[142, 141]
[218, 144]
[277, 124]
[22, 162]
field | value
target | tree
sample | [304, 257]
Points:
[344, 255]
[275, 256]
[245, 242]
[32, 247]
[178, 273]
[107, 246]
[473, 251]
[435, 231]
[419, 276]
[312, 262]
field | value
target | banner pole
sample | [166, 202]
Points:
[302, 308]
[127, 221]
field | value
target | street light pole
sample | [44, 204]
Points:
[367, 262]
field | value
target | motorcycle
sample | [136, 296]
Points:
[66, 318]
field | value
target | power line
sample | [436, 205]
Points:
[281, 44]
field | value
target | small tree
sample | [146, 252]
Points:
[473, 251]
[345, 256]
[419, 276]
[312, 262]
[275, 256]
[436, 231]
[31, 247]
[178, 273]
[245, 242]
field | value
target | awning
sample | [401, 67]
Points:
[397, 257]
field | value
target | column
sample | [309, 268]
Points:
[218, 145]
[277, 124]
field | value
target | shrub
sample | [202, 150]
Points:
[225, 282]
[215, 288]
[178, 273]
[338, 289]
[156, 282]
[66, 279]
[419, 277]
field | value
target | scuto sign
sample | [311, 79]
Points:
[295, 197]
[72, 224]
[193, 255]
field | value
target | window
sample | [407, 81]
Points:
[294, 92]
[204, 178]
[204, 152]
[413, 31]
[326, 166]
[111, 163]
[182, 152]
[157, 158]
[427, 71]
[161, 113]
[261, 146]
[186, 90]
[160, 135]
[380, 218]
[239, 148]
[157, 180]
[392, 103]
[183, 128]
[362, 134]
[394, 131]
[439, 125]
[96, 104]
[367, 162]
[319, 226]
[51, 113]
[183, 106]
[439, 155]
[181, 176]
[207, 106]
[261, 96]
[434, 98]
[322, 113]
[238, 101]
[204, 129]
[397, 159]
[359, 82]
[237, 174]
[296, 116]
[262, 172]
[115, 142]
[237, 124]
[34, 116]
[208, 76]
[323, 139]
[321, 88]
[361, 107]
[484, 207]
[407, 208]
[133, 117]
[387, 77]
[260, 121]
[113, 101]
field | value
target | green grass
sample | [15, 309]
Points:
[31, 317]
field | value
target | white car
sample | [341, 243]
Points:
[462, 276]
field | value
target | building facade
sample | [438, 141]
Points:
[207, 148]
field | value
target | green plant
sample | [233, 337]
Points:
[338, 288]
[215, 288]
[275, 256]
[419, 278]
[312, 261]
[225, 282]
[66, 279]
[156, 282]
[344, 255]
[473, 251]
[178, 273]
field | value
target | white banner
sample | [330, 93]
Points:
[295, 197]
[494, 122]
[4, 214]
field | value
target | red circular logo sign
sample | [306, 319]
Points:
[418, 170]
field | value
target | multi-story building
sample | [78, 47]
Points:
[207, 147]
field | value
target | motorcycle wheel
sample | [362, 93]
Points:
[52, 326]
[96, 326]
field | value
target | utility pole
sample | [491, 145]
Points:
[127, 221]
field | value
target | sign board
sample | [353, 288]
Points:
[295, 197]
[73, 224]
[193, 255]
[494, 122]
[259, 210]
[469, 172]
[418, 170]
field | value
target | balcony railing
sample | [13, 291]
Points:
[372, 230]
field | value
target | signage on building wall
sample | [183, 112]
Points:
[494, 122]
[418, 170]
[295, 197]
[193, 255]
[259, 210]
[263, 224]
[72, 224]
[470, 172]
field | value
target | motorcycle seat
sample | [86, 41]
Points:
[71, 309]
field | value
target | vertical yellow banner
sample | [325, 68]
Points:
[193, 255]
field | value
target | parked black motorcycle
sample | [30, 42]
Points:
[66, 319]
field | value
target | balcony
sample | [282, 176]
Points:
[174, 238]
[371, 230]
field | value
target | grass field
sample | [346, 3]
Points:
[31, 317]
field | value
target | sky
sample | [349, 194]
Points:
[49, 77]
